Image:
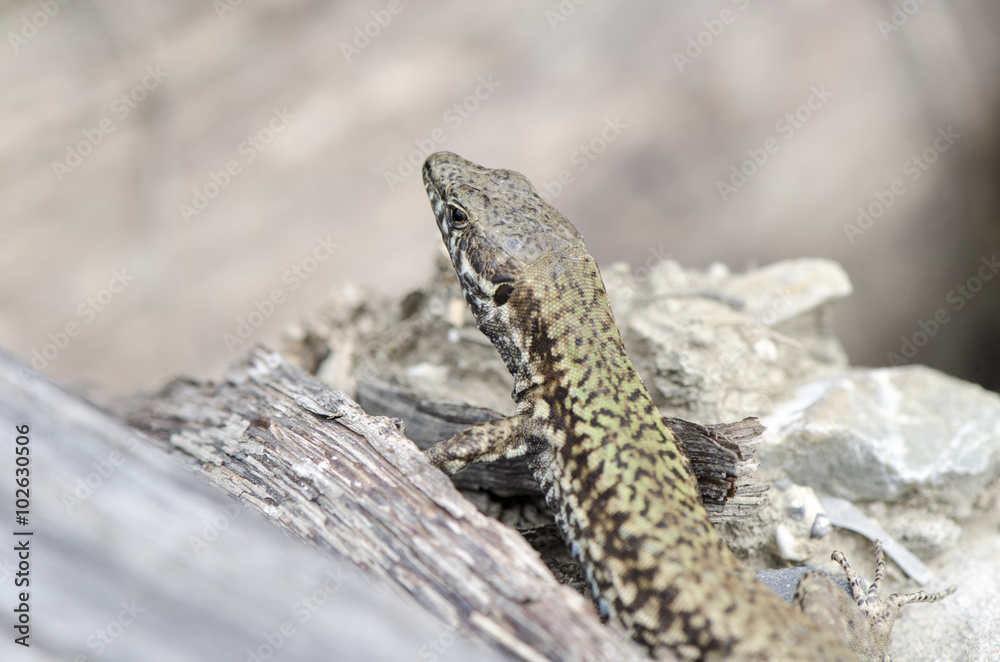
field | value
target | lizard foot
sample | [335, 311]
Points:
[881, 614]
[865, 623]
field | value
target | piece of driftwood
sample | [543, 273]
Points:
[132, 558]
[722, 459]
[314, 462]
[429, 421]
[721, 455]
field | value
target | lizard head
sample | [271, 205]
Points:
[494, 226]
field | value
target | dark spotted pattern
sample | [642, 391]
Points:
[622, 490]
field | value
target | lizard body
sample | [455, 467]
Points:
[620, 486]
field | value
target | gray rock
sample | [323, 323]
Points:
[712, 345]
[786, 290]
[887, 433]
[784, 581]
[924, 534]
[964, 626]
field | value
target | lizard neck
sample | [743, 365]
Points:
[606, 455]
[557, 327]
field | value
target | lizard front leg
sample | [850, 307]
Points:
[485, 442]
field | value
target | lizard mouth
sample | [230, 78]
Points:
[433, 191]
[438, 205]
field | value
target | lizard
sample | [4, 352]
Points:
[620, 486]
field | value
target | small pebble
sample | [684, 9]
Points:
[821, 526]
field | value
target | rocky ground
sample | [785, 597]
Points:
[915, 451]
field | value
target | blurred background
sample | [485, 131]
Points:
[179, 180]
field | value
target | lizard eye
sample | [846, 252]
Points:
[502, 294]
[458, 217]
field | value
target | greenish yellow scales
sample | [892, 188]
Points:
[621, 488]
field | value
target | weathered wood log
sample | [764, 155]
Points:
[133, 558]
[721, 455]
[352, 485]
[722, 459]
[429, 421]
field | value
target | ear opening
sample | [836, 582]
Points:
[502, 293]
